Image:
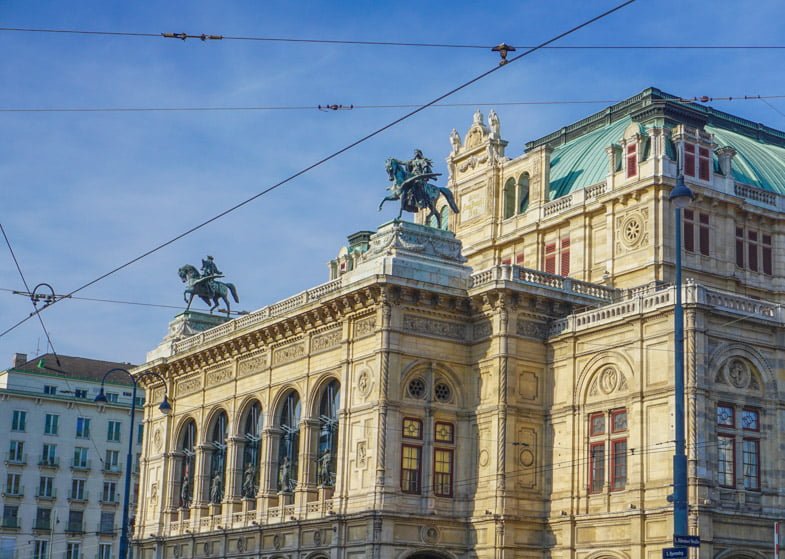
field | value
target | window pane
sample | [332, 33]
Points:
[725, 446]
[619, 419]
[596, 424]
[410, 469]
[725, 415]
[596, 467]
[619, 465]
[442, 472]
[444, 432]
[751, 463]
[412, 428]
[750, 420]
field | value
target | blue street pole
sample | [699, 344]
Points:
[165, 409]
[680, 196]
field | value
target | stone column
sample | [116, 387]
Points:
[201, 496]
[234, 472]
[170, 492]
[307, 480]
[501, 459]
[268, 483]
[384, 376]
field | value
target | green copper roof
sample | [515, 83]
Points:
[582, 162]
[756, 163]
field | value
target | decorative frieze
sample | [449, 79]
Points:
[529, 329]
[328, 340]
[251, 366]
[482, 330]
[288, 353]
[219, 376]
[188, 386]
[365, 327]
[441, 328]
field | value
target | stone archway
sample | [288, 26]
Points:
[428, 555]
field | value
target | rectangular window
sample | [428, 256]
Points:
[725, 415]
[80, 457]
[16, 452]
[19, 420]
[739, 247]
[565, 257]
[51, 424]
[558, 255]
[73, 550]
[107, 523]
[725, 450]
[77, 489]
[75, 518]
[105, 551]
[618, 421]
[13, 484]
[49, 455]
[50, 389]
[139, 433]
[596, 467]
[750, 419]
[703, 233]
[442, 472]
[751, 463]
[83, 427]
[112, 462]
[596, 424]
[10, 516]
[766, 259]
[411, 464]
[110, 492]
[689, 230]
[752, 250]
[43, 519]
[550, 258]
[412, 428]
[696, 232]
[111, 397]
[80, 393]
[444, 432]
[689, 159]
[703, 164]
[632, 160]
[46, 486]
[618, 464]
[40, 549]
[113, 431]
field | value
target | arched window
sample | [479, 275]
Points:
[328, 434]
[218, 458]
[432, 221]
[509, 198]
[445, 215]
[289, 447]
[252, 433]
[523, 193]
[186, 446]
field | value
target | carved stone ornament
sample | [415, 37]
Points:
[608, 381]
[328, 340]
[189, 386]
[241, 545]
[441, 328]
[288, 353]
[219, 376]
[404, 236]
[158, 439]
[429, 534]
[738, 373]
[484, 458]
[526, 458]
[277, 541]
[362, 454]
[529, 329]
[632, 230]
[365, 326]
[364, 383]
[317, 538]
[482, 330]
[251, 366]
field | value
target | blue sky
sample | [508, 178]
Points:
[81, 193]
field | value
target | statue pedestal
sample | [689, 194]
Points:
[185, 325]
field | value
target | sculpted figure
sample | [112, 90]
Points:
[455, 140]
[216, 489]
[493, 120]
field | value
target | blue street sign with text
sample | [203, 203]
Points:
[689, 541]
[675, 553]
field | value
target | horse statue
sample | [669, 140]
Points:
[410, 185]
[206, 287]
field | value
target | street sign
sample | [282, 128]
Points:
[675, 553]
[689, 541]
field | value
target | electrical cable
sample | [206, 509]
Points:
[115, 301]
[335, 154]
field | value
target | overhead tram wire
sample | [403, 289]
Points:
[204, 37]
[332, 156]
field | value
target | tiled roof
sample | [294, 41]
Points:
[756, 163]
[75, 367]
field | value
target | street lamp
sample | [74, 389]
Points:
[680, 197]
[166, 409]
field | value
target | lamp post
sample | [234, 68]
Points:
[165, 409]
[680, 197]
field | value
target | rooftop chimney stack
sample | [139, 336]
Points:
[20, 359]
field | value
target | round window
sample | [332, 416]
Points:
[442, 392]
[417, 388]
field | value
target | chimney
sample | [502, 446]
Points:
[20, 359]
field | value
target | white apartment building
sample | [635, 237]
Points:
[64, 458]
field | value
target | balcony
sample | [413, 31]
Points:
[10, 523]
[79, 496]
[110, 499]
[74, 528]
[15, 459]
[46, 494]
[42, 524]
[52, 462]
[81, 465]
[112, 468]
[18, 491]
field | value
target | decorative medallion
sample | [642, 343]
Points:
[484, 458]
[631, 230]
[738, 373]
[608, 380]
[429, 534]
[158, 439]
[526, 457]
[317, 538]
[364, 383]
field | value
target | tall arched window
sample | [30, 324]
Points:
[432, 221]
[187, 446]
[523, 193]
[252, 433]
[509, 198]
[289, 447]
[328, 434]
[218, 458]
[445, 215]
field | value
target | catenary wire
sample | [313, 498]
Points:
[337, 108]
[306, 40]
[115, 301]
[334, 154]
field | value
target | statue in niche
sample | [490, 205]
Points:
[185, 491]
[325, 478]
[284, 475]
[249, 481]
[216, 489]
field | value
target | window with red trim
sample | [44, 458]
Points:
[689, 159]
[726, 448]
[411, 467]
[696, 232]
[618, 464]
[442, 472]
[689, 230]
[750, 463]
[632, 160]
[703, 163]
[596, 467]
[519, 259]
[506, 261]
[607, 450]
[550, 258]
[766, 258]
[557, 257]
[754, 251]
[565, 257]
[738, 427]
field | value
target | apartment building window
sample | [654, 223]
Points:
[738, 428]
[41, 549]
[73, 550]
[80, 457]
[51, 424]
[139, 433]
[112, 462]
[110, 492]
[10, 516]
[631, 158]
[43, 519]
[75, 521]
[411, 456]
[608, 450]
[50, 389]
[696, 232]
[83, 427]
[444, 438]
[77, 489]
[80, 393]
[753, 250]
[112, 397]
[557, 257]
[49, 455]
[13, 484]
[46, 486]
[16, 452]
[19, 420]
[113, 431]
[106, 525]
[105, 551]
